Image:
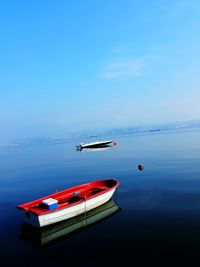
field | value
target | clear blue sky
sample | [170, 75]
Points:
[72, 66]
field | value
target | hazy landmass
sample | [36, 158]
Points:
[154, 128]
[111, 132]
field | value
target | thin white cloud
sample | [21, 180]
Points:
[123, 68]
[120, 49]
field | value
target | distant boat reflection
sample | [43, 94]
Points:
[63, 229]
[94, 149]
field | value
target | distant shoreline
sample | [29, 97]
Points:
[116, 132]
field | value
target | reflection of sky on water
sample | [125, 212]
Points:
[160, 205]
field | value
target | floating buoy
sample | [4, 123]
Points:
[141, 167]
[115, 143]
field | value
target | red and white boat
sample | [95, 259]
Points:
[68, 203]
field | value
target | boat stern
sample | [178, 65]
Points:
[30, 217]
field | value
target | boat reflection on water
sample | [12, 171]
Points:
[42, 236]
[94, 149]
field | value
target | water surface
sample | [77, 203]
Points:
[158, 209]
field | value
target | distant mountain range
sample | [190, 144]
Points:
[123, 131]
[112, 132]
[154, 128]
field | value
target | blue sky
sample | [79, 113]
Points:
[78, 66]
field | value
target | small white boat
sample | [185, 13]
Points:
[44, 235]
[96, 144]
[68, 203]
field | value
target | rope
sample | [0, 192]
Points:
[85, 208]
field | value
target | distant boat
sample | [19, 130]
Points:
[68, 203]
[95, 144]
[67, 227]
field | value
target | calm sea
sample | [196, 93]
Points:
[154, 216]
